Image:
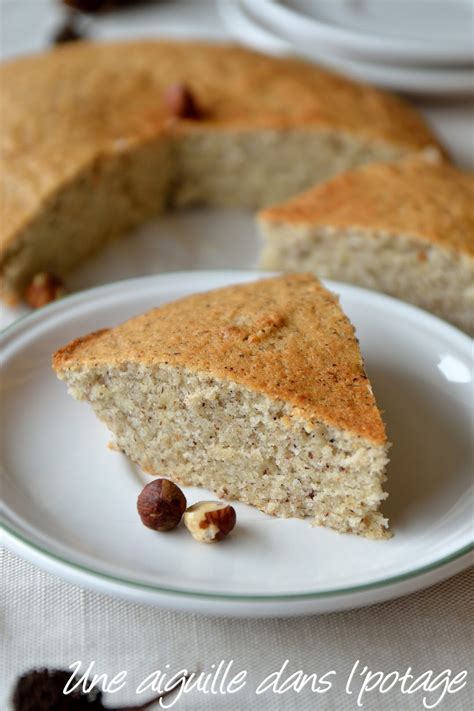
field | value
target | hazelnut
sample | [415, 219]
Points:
[42, 289]
[161, 505]
[180, 102]
[69, 31]
[209, 521]
[86, 5]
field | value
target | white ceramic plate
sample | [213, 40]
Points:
[250, 28]
[28, 25]
[420, 81]
[70, 501]
[244, 27]
[402, 31]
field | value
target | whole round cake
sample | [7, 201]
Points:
[99, 137]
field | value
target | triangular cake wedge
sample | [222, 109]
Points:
[255, 391]
[405, 228]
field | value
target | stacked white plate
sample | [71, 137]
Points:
[415, 46]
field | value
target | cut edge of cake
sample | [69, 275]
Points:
[209, 428]
[128, 159]
[405, 229]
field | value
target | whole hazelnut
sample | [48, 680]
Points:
[209, 521]
[69, 31]
[43, 289]
[161, 505]
[180, 102]
[85, 5]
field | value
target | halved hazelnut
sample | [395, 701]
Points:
[161, 505]
[209, 521]
[43, 289]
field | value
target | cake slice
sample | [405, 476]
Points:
[256, 391]
[405, 228]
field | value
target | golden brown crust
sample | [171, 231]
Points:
[286, 337]
[430, 200]
[72, 106]
[70, 349]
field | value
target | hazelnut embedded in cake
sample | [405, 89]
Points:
[133, 128]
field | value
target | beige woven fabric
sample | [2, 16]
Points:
[49, 622]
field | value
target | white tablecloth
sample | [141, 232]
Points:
[48, 622]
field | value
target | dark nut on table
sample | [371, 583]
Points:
[96, 5]
[209, 521]
[161, 505]
[43, 289]
[69, 31]
[180, 102]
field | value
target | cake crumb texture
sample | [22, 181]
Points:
[428, 199]
[284, 336]
[256, 391]
[89, 150]
[405, 228]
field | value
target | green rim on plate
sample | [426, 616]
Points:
[242, 597]
[23, 540]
